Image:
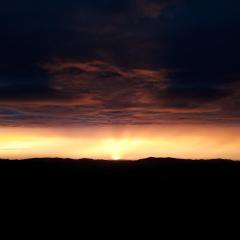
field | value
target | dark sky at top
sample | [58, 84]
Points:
[69, 62]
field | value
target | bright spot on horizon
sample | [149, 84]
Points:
[116, 157]
[114, 147]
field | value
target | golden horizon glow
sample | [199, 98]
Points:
[130, 142]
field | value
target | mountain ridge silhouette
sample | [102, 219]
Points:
[89, 168]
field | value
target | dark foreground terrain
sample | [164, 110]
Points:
[121, 188]
[156, 173]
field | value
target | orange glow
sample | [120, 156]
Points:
[130, 142]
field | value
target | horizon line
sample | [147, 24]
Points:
[119, 160]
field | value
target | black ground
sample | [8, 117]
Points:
[154, 173]
[91, 190]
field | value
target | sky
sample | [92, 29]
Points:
[120, 79]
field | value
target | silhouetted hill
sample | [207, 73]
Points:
[150, 170]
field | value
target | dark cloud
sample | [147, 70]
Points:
[153, 8]
[129, 61]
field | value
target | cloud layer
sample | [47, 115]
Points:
[119, 62]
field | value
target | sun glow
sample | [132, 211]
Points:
[133, 142]
[116, 157]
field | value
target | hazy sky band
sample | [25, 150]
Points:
[125, 142]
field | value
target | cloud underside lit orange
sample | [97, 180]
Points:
[129, 142]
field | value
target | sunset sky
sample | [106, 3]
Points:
[122, 79]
